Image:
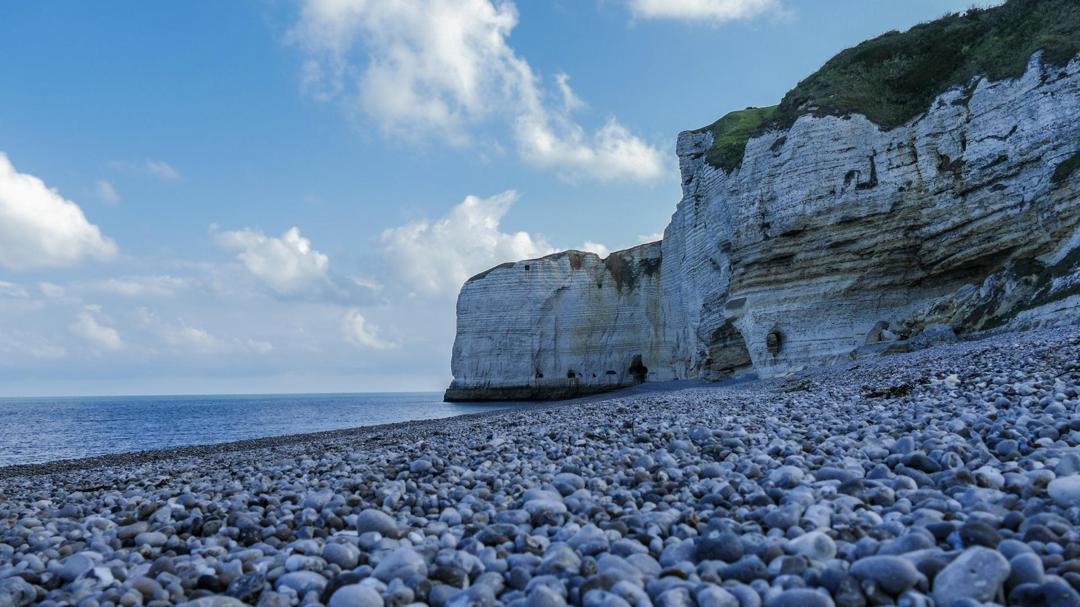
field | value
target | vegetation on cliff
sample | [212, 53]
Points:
[731, 133]
[894, 77]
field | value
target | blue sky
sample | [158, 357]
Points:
[284, 196]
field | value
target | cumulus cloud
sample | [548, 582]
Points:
[287, 264]
[359, 332]
[99, 335]
[40, 228]
[106, 191]
[442, 66]
[714, 11]
[436, 257]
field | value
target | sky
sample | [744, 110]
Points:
[275, 197]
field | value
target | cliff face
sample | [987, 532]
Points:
[834, 238]
[835, 226]
[563, 325]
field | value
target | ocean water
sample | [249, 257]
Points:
[35, 430]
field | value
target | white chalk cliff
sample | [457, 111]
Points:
[834, 239]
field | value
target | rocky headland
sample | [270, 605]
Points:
[918, 192]
[921, 186]
[944, 477]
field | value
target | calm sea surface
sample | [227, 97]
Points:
[34, 430]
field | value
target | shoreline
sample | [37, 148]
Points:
[250, 444]
[920, 478]
[284, 440]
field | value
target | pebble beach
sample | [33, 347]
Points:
[946, 477]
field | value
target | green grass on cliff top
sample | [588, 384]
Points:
[731, 133]
[894, 77]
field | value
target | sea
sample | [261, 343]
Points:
[42, 429]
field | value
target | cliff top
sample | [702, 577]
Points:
[613, 259]
[894, 77]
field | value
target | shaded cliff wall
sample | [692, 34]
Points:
[834, 226]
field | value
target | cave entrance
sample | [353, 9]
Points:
[727, 353]
[638, 370]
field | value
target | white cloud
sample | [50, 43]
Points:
[184, 337]
[439, 67]
[287, 264]
[162, 170]
[359, 332]
[571, 101]
[437, 257]
[715, 11]
[193, 338]
[8, 289]
[89, 328]
[40, 228]
[364, 282]
[595, 247]
[40, 350]
[51, 290]
[655, 236]
[30, 345]
[136, 286]
[148, 166]
[556, 142]
[106, 191]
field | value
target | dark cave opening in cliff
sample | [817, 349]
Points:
[638, 370]
[727, 352]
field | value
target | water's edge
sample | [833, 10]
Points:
[359, 432]
[203, 450]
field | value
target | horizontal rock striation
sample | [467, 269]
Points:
[564, 325]
[834, 227]
[833, 238]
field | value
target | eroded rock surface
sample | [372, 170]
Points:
[563, 325]
[834, 239]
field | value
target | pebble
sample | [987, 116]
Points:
[16, 592]
[715, 596]
[1025, 568]
[946, 476]
[399, 564]
[420, 466]
[154, 539]
[377, 521]
[301, 581]
[976, 574]
[892, 573]
[719, 546]
[801, 597]
[356, 595]
[341, 554]
[816, 546]
[1065, 491]
[75, 566]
